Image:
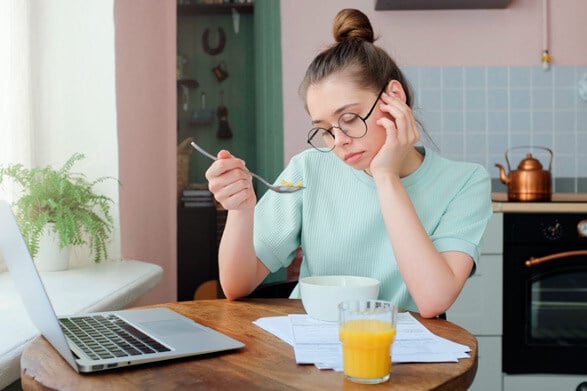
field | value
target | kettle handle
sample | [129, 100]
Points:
[529, 147]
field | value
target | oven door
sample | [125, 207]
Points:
[545, 311]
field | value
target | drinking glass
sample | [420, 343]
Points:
[367, 329]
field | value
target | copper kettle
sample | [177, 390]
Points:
[530, 182]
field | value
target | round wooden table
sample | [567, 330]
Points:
[265, 363]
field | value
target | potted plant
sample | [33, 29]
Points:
[62, 203]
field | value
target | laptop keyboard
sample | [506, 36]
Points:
[108, 336]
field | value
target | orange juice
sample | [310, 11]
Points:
[366, 348]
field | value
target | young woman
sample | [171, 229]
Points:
[374, 204]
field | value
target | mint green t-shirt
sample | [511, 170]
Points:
[338, 222]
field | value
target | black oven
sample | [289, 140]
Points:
[545, 293]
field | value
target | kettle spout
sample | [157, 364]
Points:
[502, 175]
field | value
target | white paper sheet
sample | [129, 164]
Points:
[316, 342]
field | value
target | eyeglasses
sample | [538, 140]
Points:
[351, 124]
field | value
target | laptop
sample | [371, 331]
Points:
[130, 337]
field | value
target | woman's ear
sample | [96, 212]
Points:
[395, 88]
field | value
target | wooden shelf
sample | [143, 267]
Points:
[209, 9]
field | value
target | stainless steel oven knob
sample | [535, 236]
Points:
[582, 228]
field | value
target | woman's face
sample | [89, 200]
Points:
[335, 95]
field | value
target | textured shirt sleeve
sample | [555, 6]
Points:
[278, 220]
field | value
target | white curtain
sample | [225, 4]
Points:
[15, 87]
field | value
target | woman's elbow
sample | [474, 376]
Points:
[430, 314]
[230, 296]
[432, 310]
[233, 292]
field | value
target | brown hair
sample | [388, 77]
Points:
[355, 53]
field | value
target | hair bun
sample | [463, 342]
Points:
[352, 23]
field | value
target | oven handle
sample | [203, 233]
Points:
[534, 261]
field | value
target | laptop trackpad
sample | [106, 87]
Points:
[170, 327]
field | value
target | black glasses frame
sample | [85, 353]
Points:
[314, 131]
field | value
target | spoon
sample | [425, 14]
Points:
[276, 188]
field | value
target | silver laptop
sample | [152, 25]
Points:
[129, 337]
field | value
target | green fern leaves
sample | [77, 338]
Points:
[79, 215]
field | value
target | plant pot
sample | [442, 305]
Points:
[50, 258]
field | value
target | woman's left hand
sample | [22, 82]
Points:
[401, 135]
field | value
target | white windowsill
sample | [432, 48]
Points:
[109, 285]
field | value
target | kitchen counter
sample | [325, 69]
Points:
[561, 202]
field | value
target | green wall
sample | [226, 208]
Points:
[268, 88]
[238, 88]
[252, 91]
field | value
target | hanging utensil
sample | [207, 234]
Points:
[223, 126]
[202, 116]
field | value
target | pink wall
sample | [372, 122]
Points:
[499, 37]
[146, 100]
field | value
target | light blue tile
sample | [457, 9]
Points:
[475, 121]
[458, 156]
[497, 77]
[564, 76]
[518, 139]
[564, 166]
[412, 74]
[564, 98]
[497, 99]
[542, 99]
[417, 106]
[580, 104]
[452, 77]
[564, 121]
[543, 140]
[497, 143]
[430, 140]
[497, 157]
[431, 121]
[542, 121]
[430, 99]
[520, 121]
[475, 143]
[541, 78]
[476, 158]
[497, 121]
[475, 77]
[582, 146]
[582, 126]
[453, 144]
[452, 99]
[520, 99]
[582, 166]
[452, 121]
[520, 77]
[565, 143]
[475, 100]
[430, 77]
[477, 113]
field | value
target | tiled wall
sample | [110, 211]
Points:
[477, 113]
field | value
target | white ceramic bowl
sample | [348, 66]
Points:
[322, 294]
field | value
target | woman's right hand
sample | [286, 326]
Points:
[230, 182]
